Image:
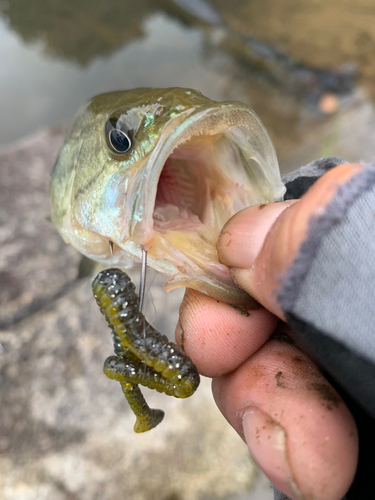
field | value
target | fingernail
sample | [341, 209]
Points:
[266, 440]
[243, 235]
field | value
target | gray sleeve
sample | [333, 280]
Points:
[299, 181]
[328, 298]
[331, 283]
[277, 495]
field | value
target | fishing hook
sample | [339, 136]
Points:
[142, 284]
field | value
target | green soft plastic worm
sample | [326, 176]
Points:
[143, 355]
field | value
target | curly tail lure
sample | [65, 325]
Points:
[143, 355]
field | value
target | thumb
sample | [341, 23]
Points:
[260, 243]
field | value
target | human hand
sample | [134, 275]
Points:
[297, 427]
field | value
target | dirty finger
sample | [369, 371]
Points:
[297, 427]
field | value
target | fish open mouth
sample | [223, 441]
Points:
[212, 165]
[190, 184]
[206, 169]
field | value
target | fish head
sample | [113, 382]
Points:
[162, 170]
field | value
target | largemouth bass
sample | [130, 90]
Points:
[162, 170]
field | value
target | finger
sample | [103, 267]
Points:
[297, 427]
[216, 336]
[260, 245]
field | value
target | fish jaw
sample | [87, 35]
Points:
[259, 184]
[204, 143]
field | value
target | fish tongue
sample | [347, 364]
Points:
[169, 217]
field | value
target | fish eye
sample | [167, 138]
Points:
[117, 136]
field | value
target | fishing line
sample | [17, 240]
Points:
[142, 286]
[142, 283]
[149, 294]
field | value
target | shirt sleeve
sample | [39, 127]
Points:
[328, 297]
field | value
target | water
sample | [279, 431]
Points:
[56, 55]
[38, 90]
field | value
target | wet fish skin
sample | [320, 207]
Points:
[218, 157]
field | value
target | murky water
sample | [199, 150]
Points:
[39, 90]
[292, 63]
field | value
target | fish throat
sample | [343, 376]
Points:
[190, 186]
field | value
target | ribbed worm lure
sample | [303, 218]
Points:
[143, 355]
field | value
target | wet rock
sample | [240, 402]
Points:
[35, 264]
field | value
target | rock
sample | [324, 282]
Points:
[66, 431]
[35, 264]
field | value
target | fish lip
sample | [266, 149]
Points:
[177, 131]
